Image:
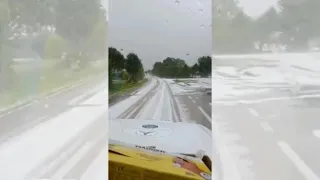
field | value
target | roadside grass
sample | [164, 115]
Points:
[29, 85]
[122, 87]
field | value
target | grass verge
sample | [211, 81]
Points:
[30, 85]
[122, 87]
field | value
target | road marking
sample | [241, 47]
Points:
[298, 162]
[96, 89]
[135, 108]
[24, 106]
[190, 97]
[26, 127]
[14, 108]
[64, 89]
[74, 159]
[77, 99]
[316, 133]
[266, 100]
[175, 114]
[266, 126]
[193, 101]
[253, 112]
[205, 114]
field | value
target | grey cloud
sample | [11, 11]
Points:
[156, 29]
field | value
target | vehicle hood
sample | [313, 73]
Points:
[180, 137]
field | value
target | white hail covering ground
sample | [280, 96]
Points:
[224, 87]
[117, 109]
[160, 106]
[21, 154]
[180, 137]
[159, 110]
[287, 73]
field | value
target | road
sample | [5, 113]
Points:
[168, 101]
[61, 135]
[64, 134]
[16, 120]
[267, 112]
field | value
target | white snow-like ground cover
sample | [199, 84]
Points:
[305, 60]
[24, 152]
[117, 109]
[97, 170]
[21, 154]
[160, 106]
[295, 69]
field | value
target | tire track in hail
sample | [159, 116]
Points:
[134, 109]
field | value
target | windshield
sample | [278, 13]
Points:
[266, 87]
[159, 73]
[160, 61]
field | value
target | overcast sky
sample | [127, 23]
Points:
[156, 29]
[254, 8]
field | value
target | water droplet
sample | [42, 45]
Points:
[201, 10]
[177, 2]
[46, 106]
[166, 21]
[202, 26]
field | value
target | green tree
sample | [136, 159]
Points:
[118, 60]
[265, 25]
[55, 47]
[116, 63]
[232, 28]
[299, 21]
[6, 73]
[171, 68]
[124, 76]
[205, 65]
[194, 69]
[31, 16]
[97, 41]
[75, 20]
[158, 69]
[134, 67]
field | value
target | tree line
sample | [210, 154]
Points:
[72, 30]
[177, 68]
[129, 68]
[292, 23]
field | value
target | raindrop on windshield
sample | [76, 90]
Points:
[202, 26]
[177, 2]
[201, 10]
[199, 3]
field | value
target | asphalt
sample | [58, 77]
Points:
[16, 120]
[74, 158]
[77, 155]
[198, 107]
[196, 104]
[272, 134]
